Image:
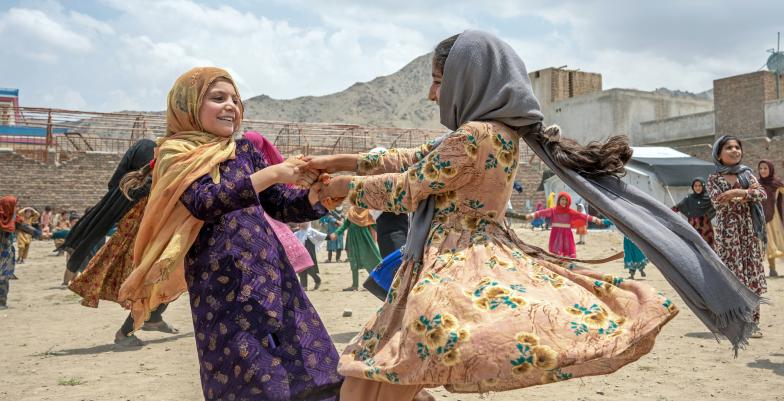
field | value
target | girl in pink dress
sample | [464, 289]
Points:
[564, 218]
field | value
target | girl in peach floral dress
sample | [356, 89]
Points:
[478, 310]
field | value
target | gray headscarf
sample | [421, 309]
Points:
[484, 79]
[744, 174]
[476, 86]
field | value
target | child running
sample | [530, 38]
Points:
[564, 218]
[257, 334]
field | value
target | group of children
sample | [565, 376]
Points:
[205, 225]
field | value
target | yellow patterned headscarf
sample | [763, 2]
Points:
[167, 229]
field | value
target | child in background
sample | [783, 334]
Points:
[582, 229]
[27, 216]
[312, 240]
[633, 258]
[7, 251]
[364, 252]
[564, 219]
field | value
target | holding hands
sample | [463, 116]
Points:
[313, 172]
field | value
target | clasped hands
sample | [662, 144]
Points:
[736, 194]
[313, 172]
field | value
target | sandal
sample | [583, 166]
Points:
[161, 326]
[756, 334]
[127, 341]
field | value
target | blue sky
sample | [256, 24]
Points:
[112, 55]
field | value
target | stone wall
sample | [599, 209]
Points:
[74, 184]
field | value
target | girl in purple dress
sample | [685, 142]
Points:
[258, 336]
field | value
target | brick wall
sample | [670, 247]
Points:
[75, 184]
[566, 84]
[739, 103]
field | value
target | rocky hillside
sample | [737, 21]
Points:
[396, 100]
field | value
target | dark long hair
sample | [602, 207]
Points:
[594, 159]
[134, 180]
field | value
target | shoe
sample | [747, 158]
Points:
[756, 334]
[161, 326]
[642, 273]
[13, 277]
[774, 273]
[351, 289]
[127, 341]
[316, 287]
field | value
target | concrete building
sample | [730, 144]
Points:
[576, 102]
[745, 106]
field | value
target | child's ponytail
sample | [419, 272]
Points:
[592, 160]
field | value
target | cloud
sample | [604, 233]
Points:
[33, 28]
[119, 54]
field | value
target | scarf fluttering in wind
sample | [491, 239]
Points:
[485, 80]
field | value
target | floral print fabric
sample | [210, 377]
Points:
[479, 314]
[734, 239]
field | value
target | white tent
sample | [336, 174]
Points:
[663, 173]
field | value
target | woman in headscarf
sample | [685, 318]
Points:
[364, 252]
[472, 307]
[7, 251]
[774, 212]
[203, 231]
[698, 209]
[740, 234]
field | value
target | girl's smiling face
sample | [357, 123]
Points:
[220, 109]
[562, 201]
[731, 153]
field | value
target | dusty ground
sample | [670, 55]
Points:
[51, 348]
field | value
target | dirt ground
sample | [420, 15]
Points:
[52, 348]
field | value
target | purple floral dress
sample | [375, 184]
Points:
[258, 336]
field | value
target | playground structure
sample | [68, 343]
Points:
[43, 134]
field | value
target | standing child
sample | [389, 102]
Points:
[333, 221]
[311, 239]
[581, 229]
[257, 334]
[698, 209]
[633, 258]
[740, 220]
[7, 252]
[539, 221]
[28, 216]
[563, 220]
[548, 222]
[774, 212]
[364, 251]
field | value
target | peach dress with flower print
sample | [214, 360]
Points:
[479, 314]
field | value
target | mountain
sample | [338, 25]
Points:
[396, 100]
